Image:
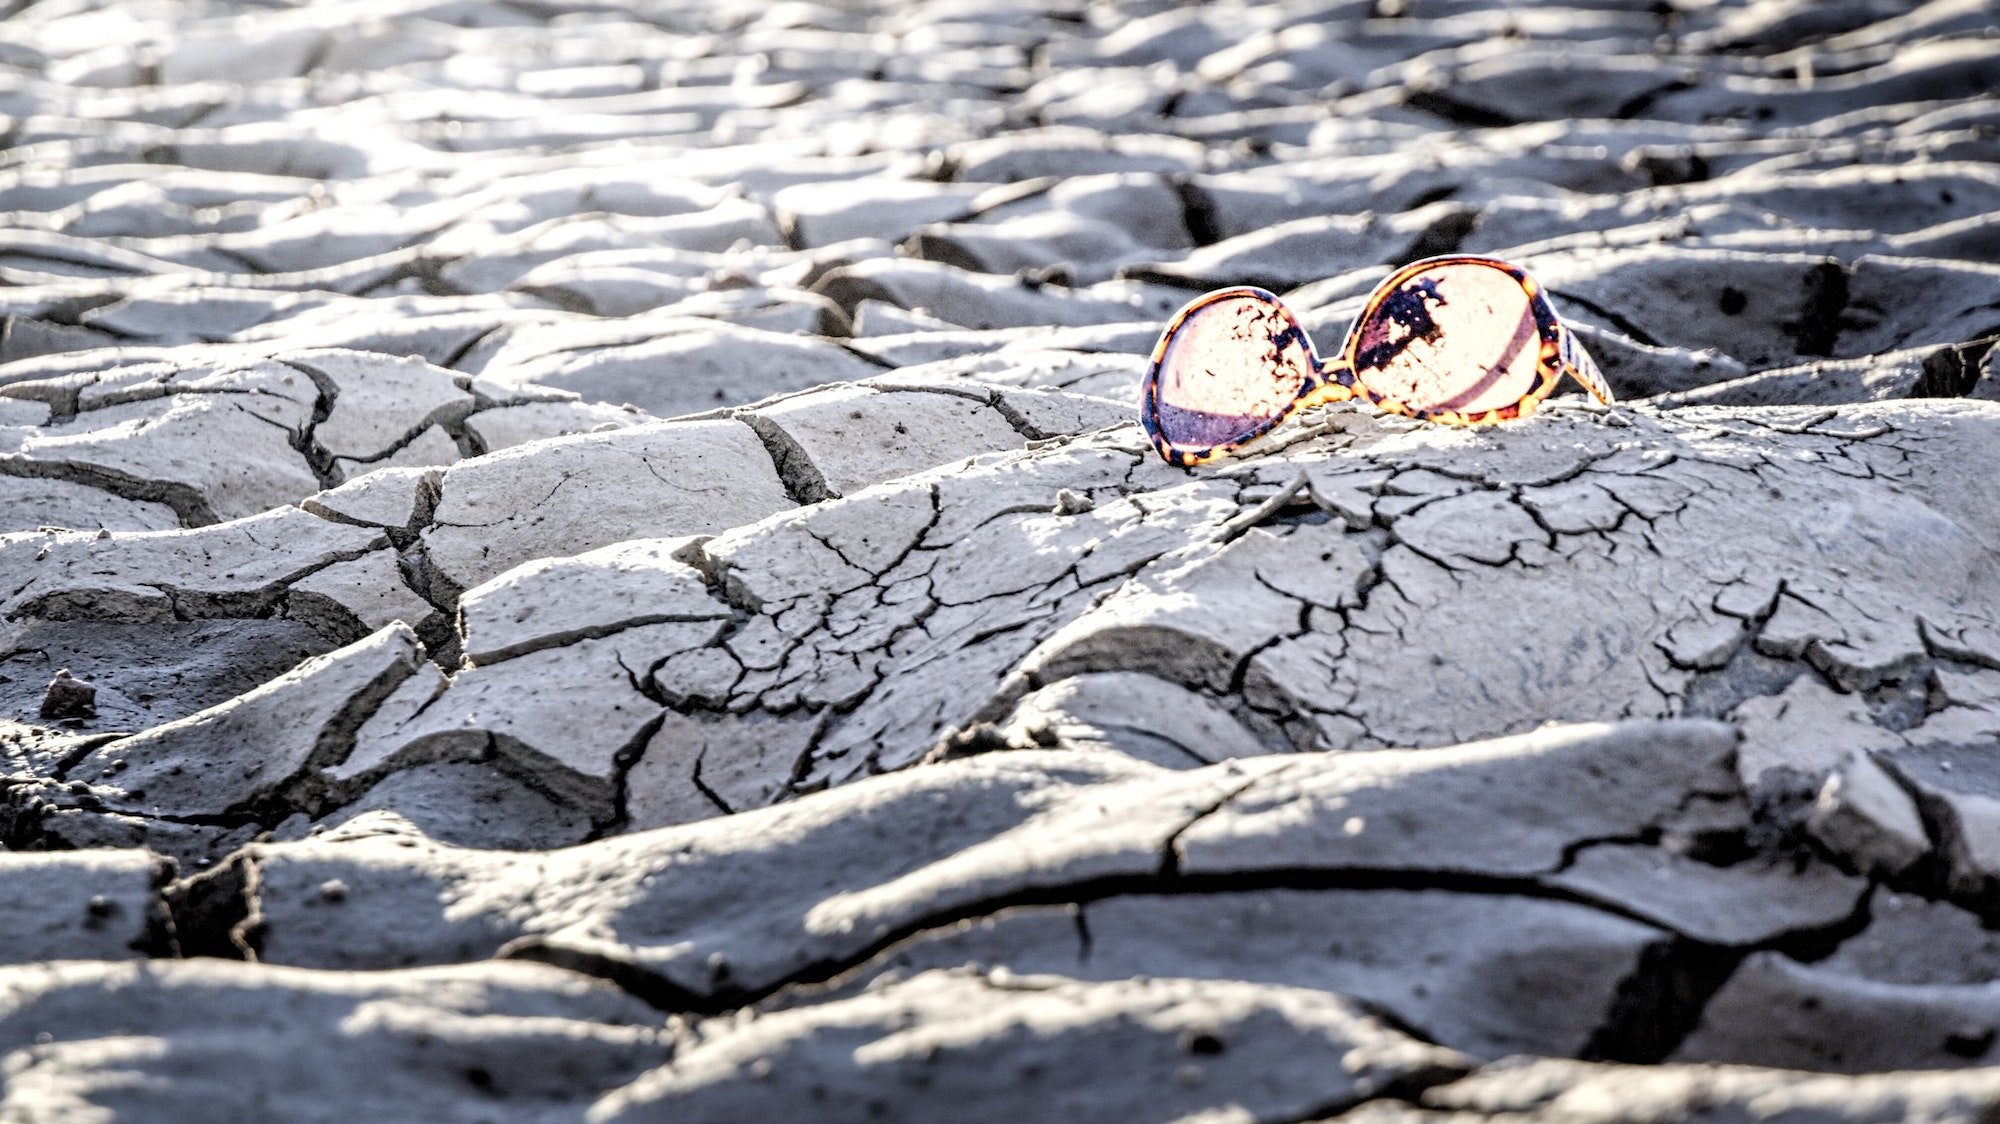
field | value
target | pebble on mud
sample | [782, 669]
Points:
[68, 697]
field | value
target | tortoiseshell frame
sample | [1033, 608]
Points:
[1334, 380]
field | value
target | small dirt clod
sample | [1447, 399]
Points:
[68, 697]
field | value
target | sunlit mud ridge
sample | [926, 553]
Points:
[606, 569]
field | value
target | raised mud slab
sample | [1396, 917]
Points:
[606, 570]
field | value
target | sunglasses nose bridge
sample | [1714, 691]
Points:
[1332, 381]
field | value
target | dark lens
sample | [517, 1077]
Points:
[1458, 337]
[1230, 365]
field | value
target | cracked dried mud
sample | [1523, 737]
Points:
[597, 564]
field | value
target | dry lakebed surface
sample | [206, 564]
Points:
[576, 560]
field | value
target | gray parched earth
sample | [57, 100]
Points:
[620, 580]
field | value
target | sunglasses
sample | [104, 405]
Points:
[1461, 340]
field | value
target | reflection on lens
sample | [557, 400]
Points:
[1458, 337]
[1231, 365]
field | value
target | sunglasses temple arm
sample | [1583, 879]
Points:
[1577, 363]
